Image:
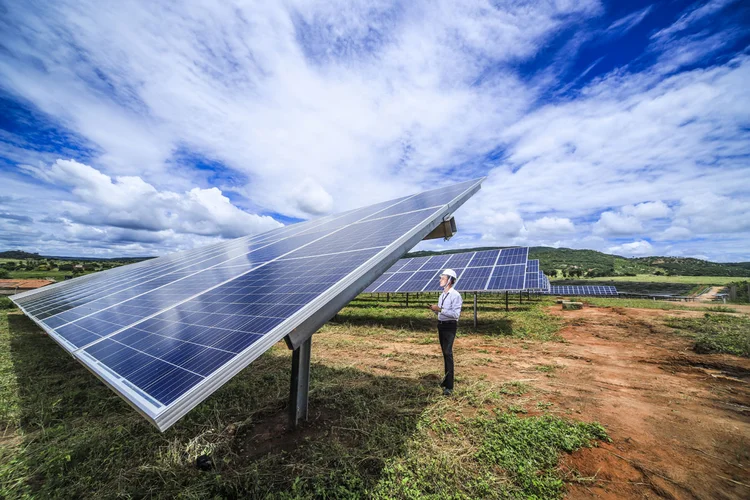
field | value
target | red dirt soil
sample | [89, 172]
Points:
[679, 421]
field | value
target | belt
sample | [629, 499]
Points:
[448, 322]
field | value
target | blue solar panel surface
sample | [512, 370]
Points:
[532, 275]
[165, 333]
[583, 290]
[488, 270]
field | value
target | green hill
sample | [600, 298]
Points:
[567, 262]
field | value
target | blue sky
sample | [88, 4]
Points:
[142, 128]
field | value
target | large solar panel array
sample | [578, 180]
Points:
[583, 290]
[166, 333]
[488, 270]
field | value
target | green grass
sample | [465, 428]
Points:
[721, 309]
[717, 333]
[56, 275]
[698, 280]
[528, 320]
[637, 303]
[66, 435]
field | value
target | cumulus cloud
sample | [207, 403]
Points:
[548, 226]
[502, 225]
[614, 224]
[639, 247]
[128, 202]
[675, 233]
[312, 198]
[648, 210]
[711, 214]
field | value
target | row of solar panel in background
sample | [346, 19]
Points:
[486, 270]
[583, 290]
[167, 332]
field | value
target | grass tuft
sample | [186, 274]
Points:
[716, 333]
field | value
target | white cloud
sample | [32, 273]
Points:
[614, 224]
[130, 203]
[710, 214]
[675, 233]
[648, 210]
[626, 23]
[312, 198]
[639, 247]
[548, 226]
[502, 225]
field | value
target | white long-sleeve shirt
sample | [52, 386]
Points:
[450, 303]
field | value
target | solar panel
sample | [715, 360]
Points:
[583, 290]
[532, 275]
[166, 333]
[487, 270]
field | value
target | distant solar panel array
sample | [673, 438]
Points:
[583, 290]
[506, 270]
[488, 270]
[166, 333]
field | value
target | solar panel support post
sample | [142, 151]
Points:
[407, 299]
[475, 309]
[506, 302]
[300, 384]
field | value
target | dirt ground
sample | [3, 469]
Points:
[679, 421]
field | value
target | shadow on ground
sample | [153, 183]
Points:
[78, 439]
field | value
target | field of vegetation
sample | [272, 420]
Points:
[24, 265]
[372, 434]
[689, 280]
[379, 426]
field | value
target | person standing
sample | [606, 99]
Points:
[448, 309]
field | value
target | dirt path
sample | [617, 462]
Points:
[679, 421]
[710, 295]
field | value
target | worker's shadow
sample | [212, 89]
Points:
[357, 419]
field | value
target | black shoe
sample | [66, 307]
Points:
[447, 392]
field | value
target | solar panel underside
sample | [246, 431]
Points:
[583, 290]
[488, 270]
[166, 333]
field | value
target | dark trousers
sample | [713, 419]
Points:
[447, 334]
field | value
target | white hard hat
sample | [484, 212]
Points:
[449, 272]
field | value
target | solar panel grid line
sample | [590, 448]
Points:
[159, 271]
[211, 267]
[487, 284]
[108, 272]
[156, 275]
[371, 219]
[109, 335]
